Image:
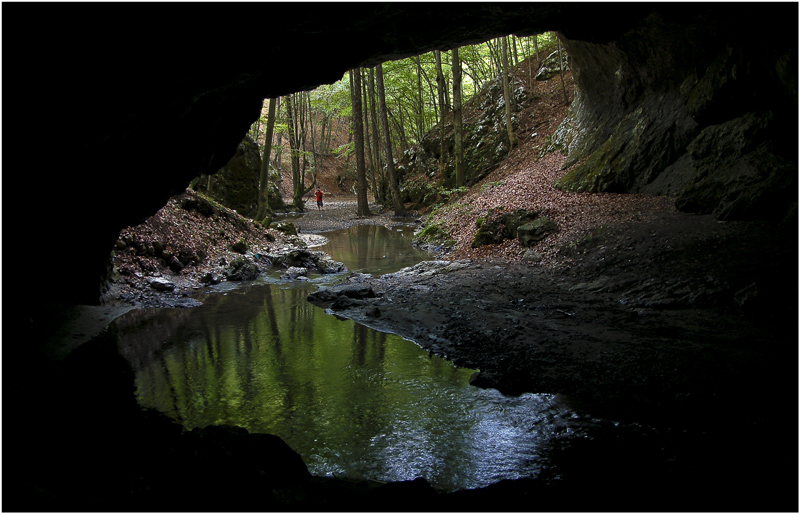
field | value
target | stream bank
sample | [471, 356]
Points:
[682, 323]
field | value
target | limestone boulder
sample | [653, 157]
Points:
[531, 233]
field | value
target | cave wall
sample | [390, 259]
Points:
[112, 108]
[700, 105]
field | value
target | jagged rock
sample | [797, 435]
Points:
[175, 264]
[235, 185]
[551, 67]
[299, 258]
[696, 127]
[429, 269]
[158, 247]
[162, 284]
[295, 273]
[330, 266]
[737, 171]
[531, 233]
[329, 295]
[295, 241]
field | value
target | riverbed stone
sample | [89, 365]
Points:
[330, 266]
[285, 227]
[326, 295]
[162, 284]
[295, 273]
[210, 278]
[241, 268]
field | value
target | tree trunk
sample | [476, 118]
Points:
[379, 196]
[294, 153]
[561, 67]
[420, 105]
[401, 131]
[512, 137]
[367, 140]
[530, 71]
[393, 187]
[358, 136]
[311, 126]
[458, 126]
[514, 44]
[279, 151]
[263, 183]
[442, 108]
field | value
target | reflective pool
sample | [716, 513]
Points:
[350, 400]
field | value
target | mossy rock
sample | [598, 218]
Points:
[285, 227]
[531, 233]
[433, 233]
[240, 246]
[499, 225]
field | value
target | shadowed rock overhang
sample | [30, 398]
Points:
[112, 108]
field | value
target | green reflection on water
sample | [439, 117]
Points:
[347, 398]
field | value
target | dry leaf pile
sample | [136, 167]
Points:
[530, 187]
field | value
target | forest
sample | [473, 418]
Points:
[372, 113]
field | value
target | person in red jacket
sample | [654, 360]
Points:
[319, 199]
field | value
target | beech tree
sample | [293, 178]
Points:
[358, 136]
[264, 210]
[367, 131]
[561, 69]
[399, 208]
[441, 87]
[379, 192]
[458, 127]
[512, 137]
[296, 132]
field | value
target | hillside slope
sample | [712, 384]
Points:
[524, 180]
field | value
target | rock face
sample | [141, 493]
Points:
[670, 108]
[486, 145]
[235, 185]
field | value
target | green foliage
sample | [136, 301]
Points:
[433, 232]
[492, 185]
[344, 150]
[449, 194]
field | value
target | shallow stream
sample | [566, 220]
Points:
[351, 401]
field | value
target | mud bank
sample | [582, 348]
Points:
[680, 316]
[683, 326]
